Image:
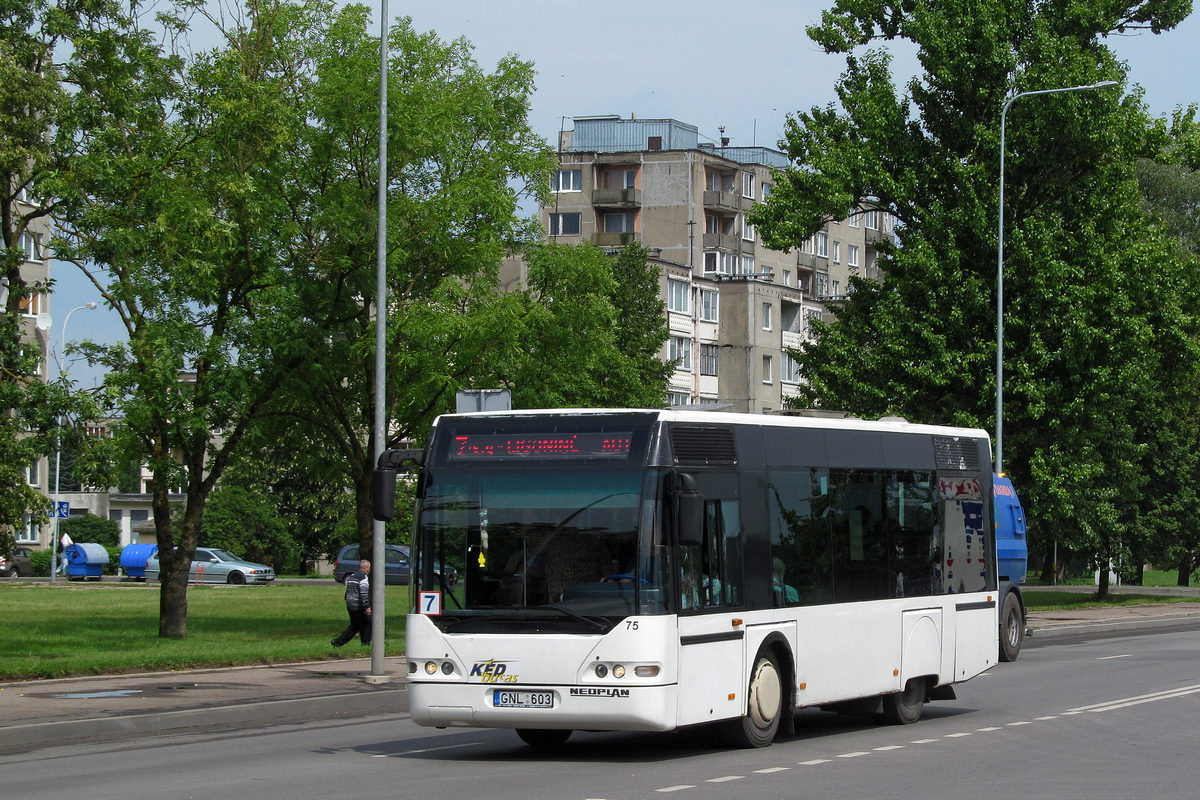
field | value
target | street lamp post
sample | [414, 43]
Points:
[1000, 262]
[378, 533]
[62, 371]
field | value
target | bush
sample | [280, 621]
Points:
[90, 528]
[41, 563]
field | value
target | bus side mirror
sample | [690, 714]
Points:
[383, 481]
[689, 512]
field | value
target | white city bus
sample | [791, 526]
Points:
[651, 570]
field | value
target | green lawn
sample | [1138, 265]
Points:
[73, 629]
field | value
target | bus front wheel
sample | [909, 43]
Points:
[538, 737]
[905, 707]
[764, 706]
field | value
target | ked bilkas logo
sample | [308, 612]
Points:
[594, 691]
[493, 671]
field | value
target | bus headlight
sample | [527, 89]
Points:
[431, 667]
[601, 671]
[618, 671]
[646, 671]
[447, 668]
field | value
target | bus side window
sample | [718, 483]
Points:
[711, 572]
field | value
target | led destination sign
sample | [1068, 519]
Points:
[482, 446]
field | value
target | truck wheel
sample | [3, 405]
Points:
[1012, 628]
[904, 708]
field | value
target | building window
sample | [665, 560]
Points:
[565, 224]
[33, 303]
[720, 263]
[790, 371]
[871, 220]
[620, 178]
[748, 185]
[852, 255]
[787, 277]
[678, 398]
[821, 244]
[747, 265]
[708, 359]
[837, 288]
[619, 222]
[811, 316]
[766, 316]
[853, 222]
[766, 191]
[822, 284]
[568, 180]
[31, 475]
[747, 230]
[766, 369]
[31, 246]
[28, 532]
[837, 252]
[681, 353]
[709, 305]
[677, 297]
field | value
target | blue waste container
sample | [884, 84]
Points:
[134, 557]
[85, 560]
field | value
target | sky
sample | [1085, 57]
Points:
[698, 62]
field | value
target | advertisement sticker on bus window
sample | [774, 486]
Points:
[430, 603]
[960, 489]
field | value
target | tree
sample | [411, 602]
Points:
[460, 154]
[31, 100]
[922, 342]
[172, 209]
[590, 328]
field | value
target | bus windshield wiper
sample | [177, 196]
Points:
[598, 624]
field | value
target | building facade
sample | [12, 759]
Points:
[735, 307]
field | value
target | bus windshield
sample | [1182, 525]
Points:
[542, 548]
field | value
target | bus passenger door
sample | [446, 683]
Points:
[712, 657]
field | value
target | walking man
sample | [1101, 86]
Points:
[358, 606]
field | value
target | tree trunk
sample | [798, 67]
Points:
[1102, 589]
[1185, 570]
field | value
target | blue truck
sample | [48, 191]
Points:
[1012, 555]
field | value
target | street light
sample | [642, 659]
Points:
[62, 372]
[378, 533]
[1000, 261]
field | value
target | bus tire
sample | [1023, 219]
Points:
[905, 707]
[764, 705]
[538, 737]
[1012, 628]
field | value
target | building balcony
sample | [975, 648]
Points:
[622, 198]
[722, 201]
[722, 241]
[616, 239]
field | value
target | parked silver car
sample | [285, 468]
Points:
[213, 565]
[18, 565]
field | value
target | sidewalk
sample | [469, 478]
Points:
[37, 714]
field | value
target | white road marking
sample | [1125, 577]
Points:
[725, 779]
[1015, 724]
[1125, 702]
[434, 749]
[890, 747]
[922, 741]
[1110, 658]
[854, 755]
[675, 788]
[814, 762]
[1045, 719]
[987, 730]
[958, 735]
[769, 770]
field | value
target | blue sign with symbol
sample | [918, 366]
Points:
[62, 509]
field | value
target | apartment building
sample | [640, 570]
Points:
[735, 307]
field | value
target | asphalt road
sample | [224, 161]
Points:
[1109, 718]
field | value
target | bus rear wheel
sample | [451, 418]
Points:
[905, 707]
[538, 737]
[764, 706]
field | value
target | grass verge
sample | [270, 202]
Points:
[72, 629]
[1050, 600]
